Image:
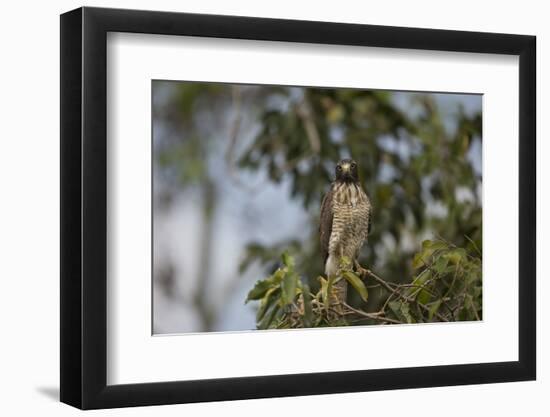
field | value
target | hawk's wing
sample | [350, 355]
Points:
[325, 224]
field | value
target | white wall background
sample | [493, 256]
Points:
[29, 225]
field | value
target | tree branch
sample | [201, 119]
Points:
[365, 272]
[373, 316]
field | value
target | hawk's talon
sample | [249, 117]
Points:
[363, 272]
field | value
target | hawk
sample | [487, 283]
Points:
[345, 222]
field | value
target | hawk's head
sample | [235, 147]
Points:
[346, 171]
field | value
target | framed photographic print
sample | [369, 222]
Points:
[257, 208]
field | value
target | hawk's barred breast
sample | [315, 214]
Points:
[350, 223]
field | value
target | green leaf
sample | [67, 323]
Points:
[405, 311]
[421, 279]
[269, 316]
[356, 283]
[259, 290]
[401, 311]
[423, 296]
[269, 298]
[395, 307]
[433, 309]
[438, 245]
[441, 264]
[418, 261]
[288, 261]
[308, 311]
[261, 287]
[477, 292]
[277, 319]
[429, 247]
[455, 256]
[289, 288]
[472, 276]
[426, 244]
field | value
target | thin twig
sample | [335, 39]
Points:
[373, 316]
[403, 297]
[474, 244]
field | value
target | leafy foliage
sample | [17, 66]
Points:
[446, 287]
[275, 293]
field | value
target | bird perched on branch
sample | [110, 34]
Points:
[345, 222]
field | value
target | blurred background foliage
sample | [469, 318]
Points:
[261, 157]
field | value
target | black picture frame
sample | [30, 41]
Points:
[84, 207]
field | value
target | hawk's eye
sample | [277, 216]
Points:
[338, 168]
[353, 166]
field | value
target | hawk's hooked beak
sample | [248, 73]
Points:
[346, 171]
